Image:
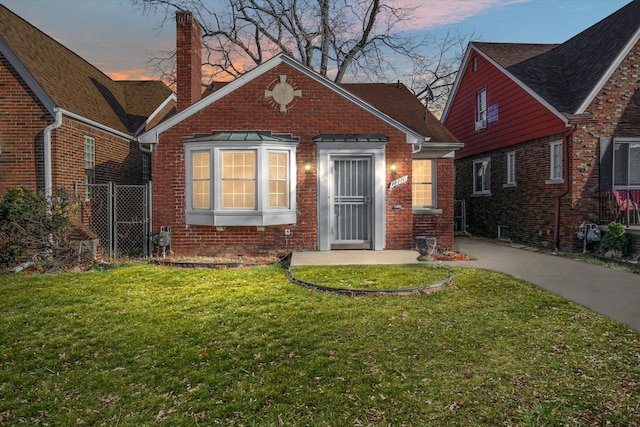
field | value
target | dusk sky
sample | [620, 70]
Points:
[120, 40]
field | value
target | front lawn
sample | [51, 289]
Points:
[149, 345]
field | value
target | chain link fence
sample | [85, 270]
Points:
[118, 215]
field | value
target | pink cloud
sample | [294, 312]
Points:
[132, 74]
[433, 14]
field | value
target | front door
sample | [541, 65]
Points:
[351, 200]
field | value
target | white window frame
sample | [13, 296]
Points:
[630, 166]
[511, 169]
[432, 183]
[556, 163]
[263, 214]
[481, 109]
[485, 168]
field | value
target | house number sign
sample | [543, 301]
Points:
[398, 181]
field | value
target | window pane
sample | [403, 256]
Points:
[478, 176]
[201, 187]
[278, 194]
[278, 180]
[422, 195]
[621, 162]
[422, 171]
[239, 179]
[89, 160]
[422, 192]
[481, 105]
[277, 165]
[511, 168]
[556, 161]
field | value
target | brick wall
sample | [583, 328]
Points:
[319, 111]
[118, 160]
[21, 125]
[22, 122]
[529, 207]
[439, 224]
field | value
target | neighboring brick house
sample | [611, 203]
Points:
[64, 121]
[551, 133]
[282, 159]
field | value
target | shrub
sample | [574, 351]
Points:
[32, 227]
[615, 241]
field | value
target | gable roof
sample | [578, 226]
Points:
[567, 76]
[392, 103]
[62, 79]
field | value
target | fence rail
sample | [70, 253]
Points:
[620, 206]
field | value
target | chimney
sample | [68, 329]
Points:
[188, 59]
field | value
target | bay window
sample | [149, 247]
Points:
[240, 179]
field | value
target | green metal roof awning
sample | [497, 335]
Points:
[240, 137]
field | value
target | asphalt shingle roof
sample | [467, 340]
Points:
[396, 101]
[77, 86]
[564, 75]
[399, 103]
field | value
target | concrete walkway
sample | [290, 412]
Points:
[615, 294]
[350, 257]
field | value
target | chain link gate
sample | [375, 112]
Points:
[119, 215]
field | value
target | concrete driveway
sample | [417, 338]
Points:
[614, 293]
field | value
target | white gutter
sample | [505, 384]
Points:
[48, 175]
[96, 125]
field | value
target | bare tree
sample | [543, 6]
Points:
[355, 39]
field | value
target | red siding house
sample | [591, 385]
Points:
[283, 159]
[62, 120]
[551, 134]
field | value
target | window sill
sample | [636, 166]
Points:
[512, 185]
[555, 181]
[427, 211]
[482, 194]
[240, 219]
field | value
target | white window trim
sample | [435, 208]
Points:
[434, 188]
[262, 215]
[552, 163]
[487, 175]
[511, 169]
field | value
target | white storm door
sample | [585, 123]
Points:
[352, 203]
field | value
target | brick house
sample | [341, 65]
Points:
[551, 134]
[284, 159]
[64, 121]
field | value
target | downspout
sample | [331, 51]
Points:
[48, 174]
[565, 190]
